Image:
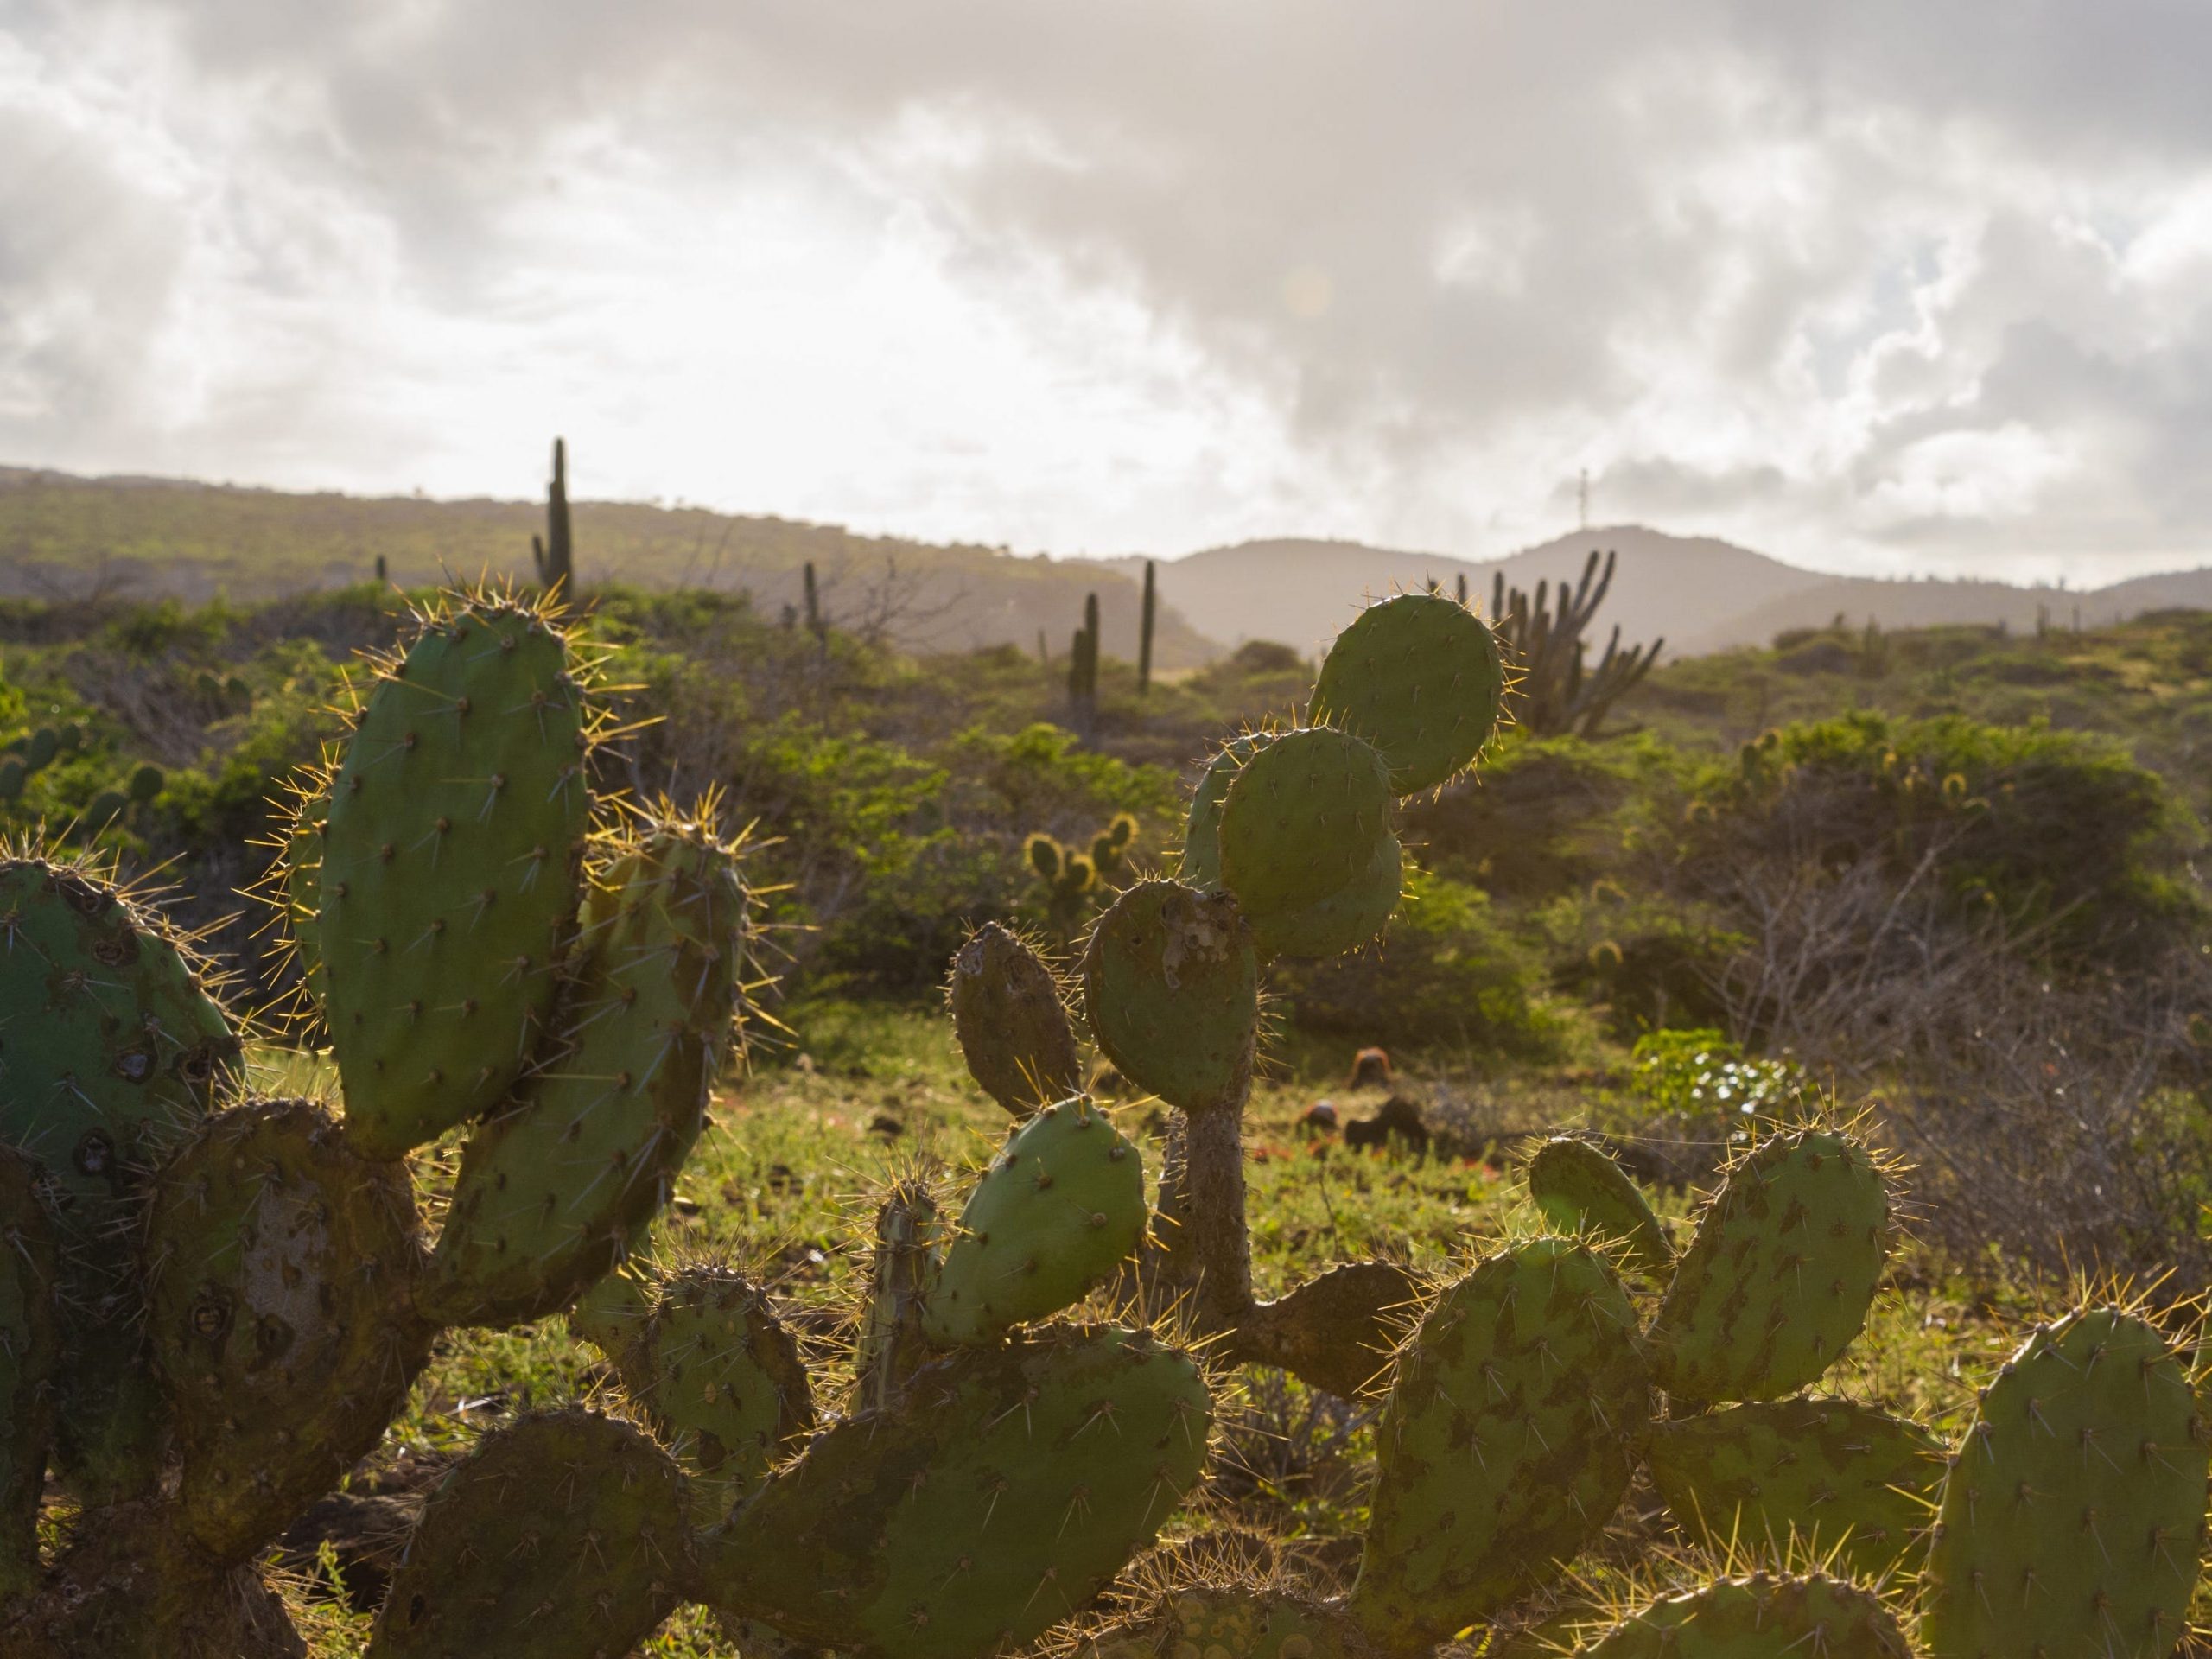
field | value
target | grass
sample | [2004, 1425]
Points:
[783, 1186]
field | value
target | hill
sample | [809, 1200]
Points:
[1302, 591]
[63, 536]
[1700, 594]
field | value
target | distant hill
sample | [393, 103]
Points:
[1302, 591]
[1700, 595]
[67, 537]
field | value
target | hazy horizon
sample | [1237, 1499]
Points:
[1884, 292]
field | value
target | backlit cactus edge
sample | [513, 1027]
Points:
[212, 1304]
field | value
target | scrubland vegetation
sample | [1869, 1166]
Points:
[1945, 885]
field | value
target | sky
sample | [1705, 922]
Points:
[1888, 288]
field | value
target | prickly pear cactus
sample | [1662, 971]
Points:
[722, 1381]
[1579, 1189]
[892, 1346]
[1508, 1440]
[1051, 1218]
[2072, 1520]
[1200, 866]
[1338, 1331]
[1003, 1492]
[1012, 1026]
[282, 1268]
[1307, 844]
[1420, 677]
[565, 1537]
[1760, 1618]
[30, 1354]
[1239, 1621]
[1829, 1474]
[550, 1189]
[1171, 987]
[1777, 1280]
[116, 1046]
[449, 869]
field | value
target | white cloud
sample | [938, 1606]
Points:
[1886, 287]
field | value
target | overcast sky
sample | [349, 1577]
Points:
[1891, 286]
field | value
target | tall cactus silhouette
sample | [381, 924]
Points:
[556, 555]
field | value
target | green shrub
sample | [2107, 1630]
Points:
[1696, 1074]
[1447, 972]
[2060, 835]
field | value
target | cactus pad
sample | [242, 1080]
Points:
[1238, 1621]
[1579, 1190]
[1200, 866]
[2072, 1520]
[1344, 920]
[449, 871]
[723, 1381]
[1760, 1618]
[891, 1346]
[1336, 1331]
[30, 1353]
[114, 1048]
[1172, 989]
[550, 1189]
[281, 1267]
[1420, 677]
[1508, 1441]
[1778, 1277]
[563, 1536]
[1820, 1472]
[1307, 820]
[1004, 1490]
[1051, 1216]
[1013, 1029]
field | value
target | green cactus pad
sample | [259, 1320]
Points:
[1579, 1189]
[611, 1313]
[1760, 1618]
[30, 1354]
[722, 1381]
[1306, 819]
[891, 1346]
[282, 1268]
[1051, 1216]
[1007, 1488]
[1200, 866]
[114, 1048]
[11, 778]
[550, 1189]
[1237, 1621]
[295, 890]
[1508, 1441]
[1013, 1029]
[1778, 1277]
[2072, 1520]
[1171, 987]
[1347, 918]
[449, 872]
[564, 1536]
[1419, 676]
[45, 744]
[1336, 1331]
[1823, 1473]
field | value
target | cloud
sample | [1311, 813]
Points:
[1881, 287]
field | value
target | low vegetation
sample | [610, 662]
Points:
[1943, 888]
